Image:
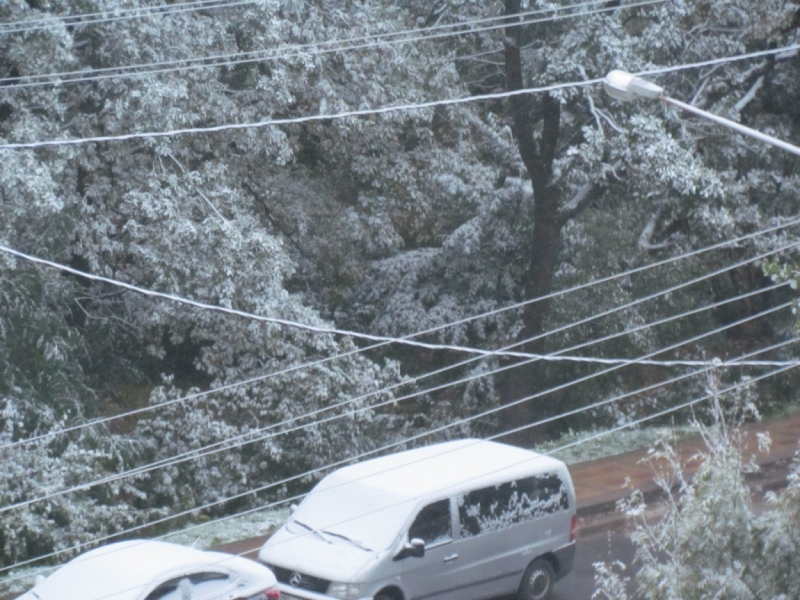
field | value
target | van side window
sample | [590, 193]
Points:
[432, 524]
[497, 507]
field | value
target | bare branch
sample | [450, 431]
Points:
[589, 193]
[646, 238]
[748, 97]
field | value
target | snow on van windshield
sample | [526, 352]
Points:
[368, 517]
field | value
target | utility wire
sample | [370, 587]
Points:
[376, 111]
[297, 120]
[269, 431]
[488, 412]
[303, 50]
[688, 404]
[389, 447]
[83, 19]
[274, 430]
[579, 287]
[670, 410]
[598, 435]
[312, 328]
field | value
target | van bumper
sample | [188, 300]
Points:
[566, 558]
[292, 593]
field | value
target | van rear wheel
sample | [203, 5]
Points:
[537, 582]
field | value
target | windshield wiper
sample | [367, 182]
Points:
[312, 530]
[351, 540]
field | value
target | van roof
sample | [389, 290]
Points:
[449, 466]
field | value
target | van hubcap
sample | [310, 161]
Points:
[538, 584]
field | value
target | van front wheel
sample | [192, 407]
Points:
[537, 582]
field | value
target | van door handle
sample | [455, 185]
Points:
[450, 558]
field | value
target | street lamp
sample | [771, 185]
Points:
[626, 87]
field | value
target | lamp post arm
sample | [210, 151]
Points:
[732, 125]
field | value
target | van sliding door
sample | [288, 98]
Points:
[502, 528]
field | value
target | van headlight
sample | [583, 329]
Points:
[344, 590]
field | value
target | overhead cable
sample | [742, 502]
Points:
[299, 50]
[695, 401]
[488, 412]
[375, 111]
[83, 19]
[393, 445]
[509, 347]
[330, 330]
[275, 430]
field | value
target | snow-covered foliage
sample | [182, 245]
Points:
[711, 542]
[390, 223]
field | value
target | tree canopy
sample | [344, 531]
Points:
[389, 224]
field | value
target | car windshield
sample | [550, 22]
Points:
[354, 514]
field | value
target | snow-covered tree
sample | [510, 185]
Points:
[711, 541]
[388, 223]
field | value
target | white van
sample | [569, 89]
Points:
[462, 520]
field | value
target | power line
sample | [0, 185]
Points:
[616, 429]
[297, 120]
[394, 445]
[312, 328]
[671, 410]
[265, 433]
[374, 111]
[303, 50]
[440, 327]
[284, 52]
[488, 412]
[83, 19]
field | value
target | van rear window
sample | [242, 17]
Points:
[497, 507]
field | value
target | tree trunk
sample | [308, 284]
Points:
[538, 156]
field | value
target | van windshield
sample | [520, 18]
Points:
[351, 512]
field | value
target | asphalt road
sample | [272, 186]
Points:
[602, 546]
[608, 545]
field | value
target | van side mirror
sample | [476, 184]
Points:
[293, 508]
[415, 548]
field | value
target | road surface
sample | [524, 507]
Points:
[601, 546]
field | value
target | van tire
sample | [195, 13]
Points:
[382, 596]
[537, 581]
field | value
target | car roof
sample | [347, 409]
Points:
[127, 570]
[449, 466]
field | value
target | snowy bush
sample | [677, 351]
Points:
[711, 542]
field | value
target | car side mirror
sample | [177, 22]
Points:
[415, 548]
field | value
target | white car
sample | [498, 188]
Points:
[152, 570]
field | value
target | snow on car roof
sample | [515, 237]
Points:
[127, 570]
[447, 466]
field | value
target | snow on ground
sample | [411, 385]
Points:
[620, 442]
[216, 533]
